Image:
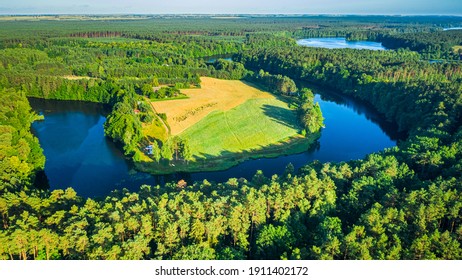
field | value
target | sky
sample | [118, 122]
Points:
[402, 7]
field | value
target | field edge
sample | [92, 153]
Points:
[292, 146]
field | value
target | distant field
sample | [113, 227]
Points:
[256, 124]
[73, 77]
[457, 48]
[66, 17]
[214, 94]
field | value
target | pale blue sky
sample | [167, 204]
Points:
[452, 7]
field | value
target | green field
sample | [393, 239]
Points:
[258, 128]
[251, 126]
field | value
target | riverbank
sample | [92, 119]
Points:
[227, 160]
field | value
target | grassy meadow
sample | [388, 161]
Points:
[256, 124]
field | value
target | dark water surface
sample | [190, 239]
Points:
[213, 58]
[79, 155]
[340, 43]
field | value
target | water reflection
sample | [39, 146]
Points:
[362, 108]
[340, 43]
[213, 58]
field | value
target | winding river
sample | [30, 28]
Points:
[80, 156]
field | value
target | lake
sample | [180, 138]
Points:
[452, 28]
[340, 43]
[213, 58]
[79, 155]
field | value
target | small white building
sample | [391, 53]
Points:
[148, 149]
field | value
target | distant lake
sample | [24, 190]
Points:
[213, 58]
[452, 28]
[78, 154]
[340, 43]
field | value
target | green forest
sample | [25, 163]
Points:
[400, 203]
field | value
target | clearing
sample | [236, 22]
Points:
[73, 77]
[227, 122]
[214, 95]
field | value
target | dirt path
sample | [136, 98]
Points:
[159, 118]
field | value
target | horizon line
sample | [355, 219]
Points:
[228, 14]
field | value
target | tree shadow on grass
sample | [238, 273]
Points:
[282, 116]
[204, 162]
